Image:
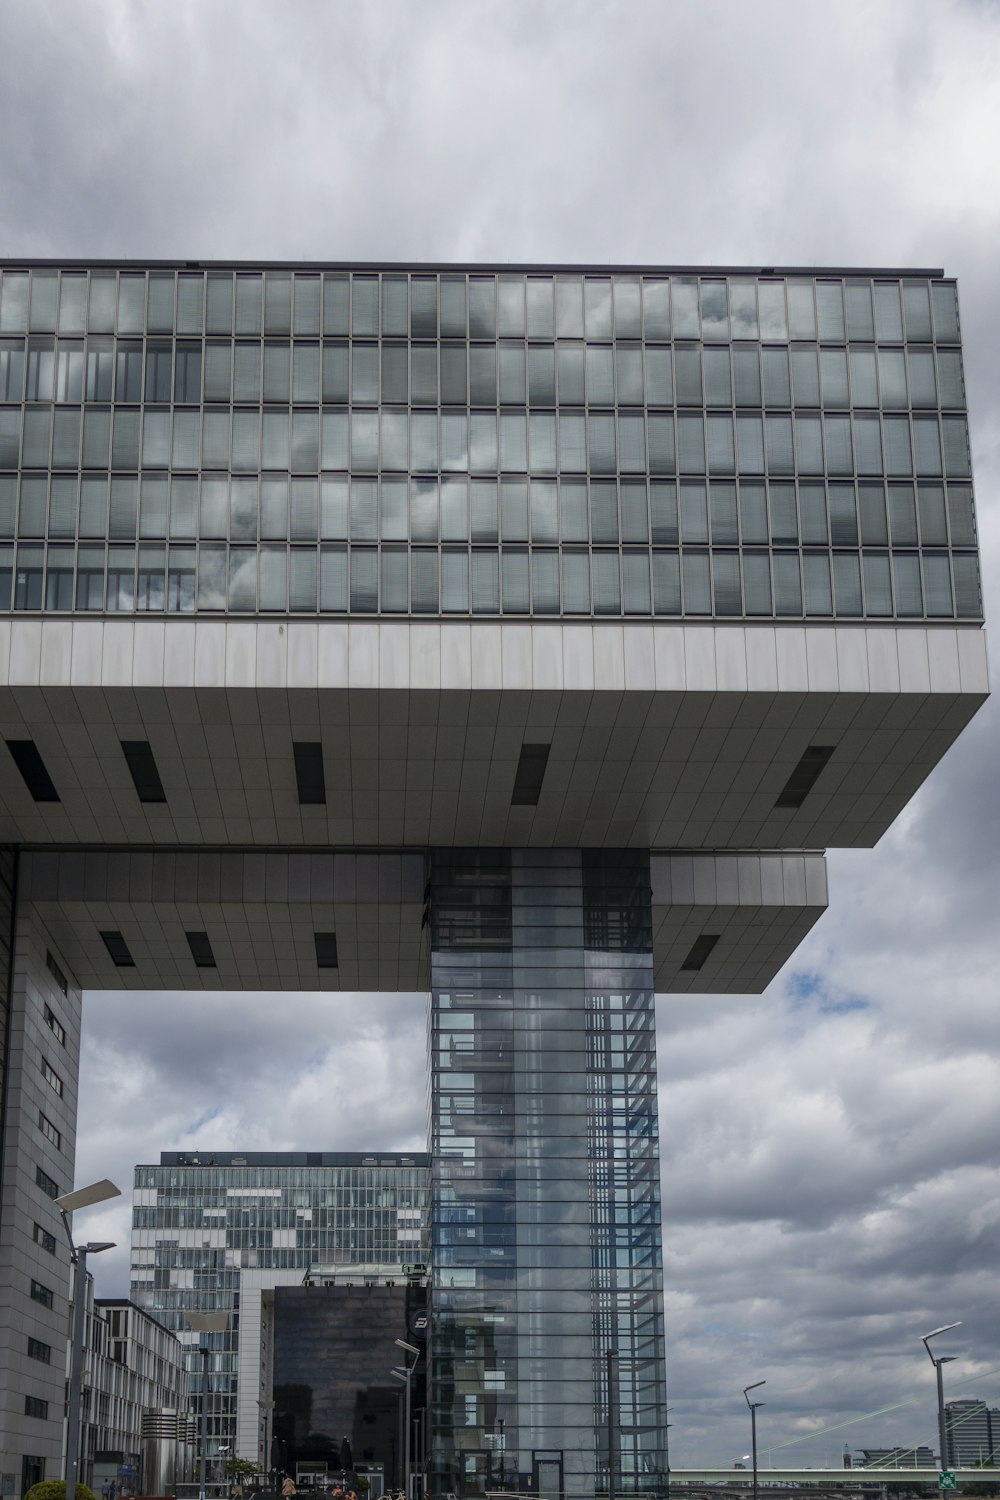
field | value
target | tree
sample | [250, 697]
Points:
[238, 1469]
[55, 1489]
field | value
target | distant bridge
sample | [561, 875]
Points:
[839, 1478]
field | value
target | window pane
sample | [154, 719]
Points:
[274, 578]
[933, 527]
[937, 584]
[541, 308]
[917, 312]
[511, 306]
[961, 516]
[606, 580]
[945, 301]
[878, 591]
[364, 580]
[816, 584]
[576, 583]
[597, 308]
[757, 583]
[686, 319]
[656, 309]
[663, 512]
[888, 312]
[625, 291]
[830, 310]
[302, 579]
[718, 377]
[968, 596]
[906, 584]
[307, 292]
[714, 310]
[395, 580]
[690, 444]
[871, 503]
[635, 583]
[482, 307]
[666, 583]
[514, 577]
[743, 309]
[697, 583]
[485, 582]
[694, 513]
[569, 308]
[571, 364]
[847, 584]
[858, 297]
[801, 310]
[926, 446]
[424, 581]
[805, 377]
[746, 370]
[787, 585]
[726, 582]
[902, 515]
[864, 387]
[753, 512]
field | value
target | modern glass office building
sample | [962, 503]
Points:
[519, 635]
[638, 445]
[218, 1232]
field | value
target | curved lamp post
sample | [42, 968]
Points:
[753, 1405]
[937, 1361]
[97, 1192]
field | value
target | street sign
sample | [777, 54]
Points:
[946, 1480]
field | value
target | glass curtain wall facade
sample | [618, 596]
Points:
[202, 1221]
[464, 442]
[545, 1175]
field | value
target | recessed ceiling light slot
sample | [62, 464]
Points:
[118, 949]
[309, 772]
[201, 950]
[26, 757]
[700, 950]
[142, 769]
[326, 950]
[529, 775]
[802, 780]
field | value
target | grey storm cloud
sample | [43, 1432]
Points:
[830, 1184]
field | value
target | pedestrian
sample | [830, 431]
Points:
[106, 1490]
[288, 1488]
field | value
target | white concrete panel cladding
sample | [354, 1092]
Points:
[260, 913]
[660, 736]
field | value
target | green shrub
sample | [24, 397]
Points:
[55, 1489]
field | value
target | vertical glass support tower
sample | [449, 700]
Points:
[518, 634]
[545, 1199]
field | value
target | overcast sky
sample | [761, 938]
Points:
[829, 1148]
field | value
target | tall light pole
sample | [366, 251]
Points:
[407, 1374]
[266, 1410]
[205, 1323]
[753, 1405]
[938, 1362]
[97, 1192]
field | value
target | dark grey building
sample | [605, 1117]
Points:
[516, 634]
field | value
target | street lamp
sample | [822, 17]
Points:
[942, 1359]
[753, 1405]
[207, 1323]
[97, 1192]
[406, 1374]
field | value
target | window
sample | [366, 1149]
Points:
[41, 1294]
[49, 1131]
[45, 1182]
[55, 1026]
[44, 1238]
[34, 1406]
[40, 1351]
[51, 1077]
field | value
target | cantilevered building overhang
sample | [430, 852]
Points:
[522, 635]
